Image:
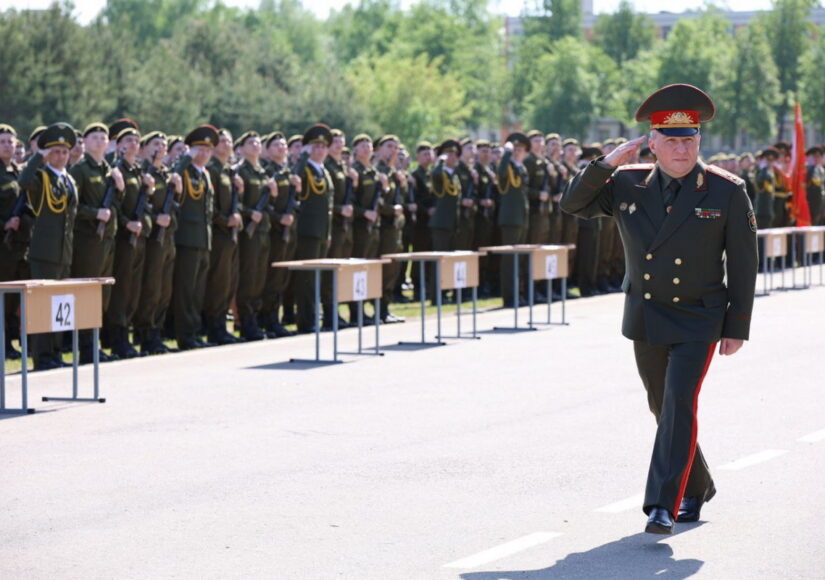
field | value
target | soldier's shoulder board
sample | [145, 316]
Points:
[724, 174]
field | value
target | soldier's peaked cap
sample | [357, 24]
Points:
[204, 135]
[449, 146]
[57, 134]
[518, 139]
[119, 125]
[677, 110]
[4, 128]
[319, 133]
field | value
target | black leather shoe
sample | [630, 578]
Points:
[659, 521]
[280, 331]
[12, 353]
[691, 507]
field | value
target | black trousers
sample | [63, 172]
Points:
[673, 375]
[191, 269]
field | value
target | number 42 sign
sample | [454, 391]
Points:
[62, 312]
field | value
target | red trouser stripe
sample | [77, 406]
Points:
[693, 430]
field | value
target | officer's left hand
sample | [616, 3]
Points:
[163, 220]
[12, 224]
[346, 210]
[729, 346]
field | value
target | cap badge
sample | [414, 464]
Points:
[632, 207]
[678, 118]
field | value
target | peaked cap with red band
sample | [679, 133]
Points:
[677, 110]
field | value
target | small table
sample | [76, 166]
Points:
[814, 244]
[774, 245]
[544, 262]
[453, 271]
[71, 304]
[353, 280]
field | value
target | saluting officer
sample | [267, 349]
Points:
[513, 210]
[52, 197]
[687, 229]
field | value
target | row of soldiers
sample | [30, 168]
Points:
[189, 226]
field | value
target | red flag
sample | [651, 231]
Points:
[800, 212]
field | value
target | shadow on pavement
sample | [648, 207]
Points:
[637, 556]
[295, 366]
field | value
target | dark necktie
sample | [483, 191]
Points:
[670, 193]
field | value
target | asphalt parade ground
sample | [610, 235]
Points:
[522, 455]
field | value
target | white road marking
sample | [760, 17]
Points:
[754, 459]
[624, 505]
[504, 550]
[814, 437]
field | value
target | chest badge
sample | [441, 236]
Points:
[623, 206]
[700, 181]
[707, 213]
[632, 208]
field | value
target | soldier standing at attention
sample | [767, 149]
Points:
[193, 238]
[486, 216]
[815, 183]
[94, 256]
[421, 238]
[465, 230]
[222, 279]
[392, 218]
[134, 226]
[765, 183]
[52, 197]
[283, 234]
[13, 263]
[258, 189]
[687, 229]
[539, 181]
[313, 222]
[514, 208]
[343, 179]
[159, 265]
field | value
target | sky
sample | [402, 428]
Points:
[87, 9]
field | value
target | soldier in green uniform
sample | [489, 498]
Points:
[52, 197]
[781, 186]
[585, 269]
[465, 230]
[224, 260]
[134, 226]
[282, 212]
[446, 188]
[815, 183]
[16, 232]
[159, 263]
[94, 255]
[392, 218]
[366, 197]
[690, 240]
[765, 184]
[486, 217]
[175, 147]
[425, 201]
[258, 189]
[112, 149]
[193, 238]
[407, 198]
[540, 179]
[33, 139]
[313, 222]
[746, 169]
[514, 208]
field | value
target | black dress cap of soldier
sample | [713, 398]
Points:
[57, 134]
[319, 133]
[7, 129]
[119, 125]
[448, 146]
[360, 138]
[241, 141]
[126, 132]
[95, 128]
[206, 135]
[677, 110]
[815, 150]
[770, 152]
[272, 137]
[519, 139]
[151, 136]
[423, 146]
[37, 132]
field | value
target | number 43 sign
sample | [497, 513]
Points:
[62, 312]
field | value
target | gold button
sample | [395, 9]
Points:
[678, 261]
[647, 276]
[647, 295]
[676, 280]
[676, 299]
[649, 257]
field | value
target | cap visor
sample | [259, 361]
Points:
[679, 131]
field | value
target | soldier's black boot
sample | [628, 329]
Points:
[218, 333]
[250, 329]
[388, 317]
[11, 352]
[120, 343]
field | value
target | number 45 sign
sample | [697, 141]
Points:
[62, 312]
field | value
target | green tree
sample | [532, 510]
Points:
[789, 29]
[410, 97]
[812, 88]
[555, 19]
[639, 78]
[751, 90]
[625, 33]
[565, 96]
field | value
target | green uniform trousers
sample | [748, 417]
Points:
[191, 270]
[128, 273]
[278, 279]
[254, 266]
[222, 279]
[156, 296]
[672, 376]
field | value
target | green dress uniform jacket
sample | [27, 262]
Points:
[316, 203]
[341, 246]
[366, 234]
[763, 202]
[675, 280]
[10, 191]
[92, 180]
[513, 188]
[446, 188]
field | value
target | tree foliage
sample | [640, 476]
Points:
[625, 34]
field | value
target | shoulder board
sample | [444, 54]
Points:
[724, 174]
[636, 167]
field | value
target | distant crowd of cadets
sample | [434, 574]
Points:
[189, 227]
